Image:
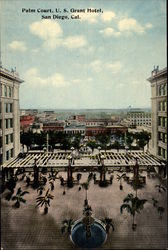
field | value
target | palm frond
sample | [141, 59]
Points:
[127, 207]
[23, 193]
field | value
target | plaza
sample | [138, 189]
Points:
[27, 227]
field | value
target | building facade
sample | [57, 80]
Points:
[25, 122]
[139, 118]
[9, 114]
[158, 82]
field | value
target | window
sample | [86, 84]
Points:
[11, 137]
[7, 155]
[12, 152]
[6, 123]
[10, 107]
[6, 107]
[160, 136]
[164, 122]
[164, 106]
[10, 92]
[159, 151]
[161, 121]
[7, 139]
[5, 91]
[10, 123]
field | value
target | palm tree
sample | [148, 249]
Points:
[44, 201]
[133, 205]
[155, 202]
[19, 197]
[108, 223]
[78, 177]
[67, 225]
[119, 178]
[40, 189]
[85, 186]
[52, 177]
[160, 188]
[160, 211]
[90, 177]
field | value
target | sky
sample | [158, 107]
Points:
[97, 60]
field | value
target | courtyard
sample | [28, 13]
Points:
[27, 227]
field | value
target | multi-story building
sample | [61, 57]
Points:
[26, 121]
[57, 126]
[158, 82]
[139, 118]
[9, 115]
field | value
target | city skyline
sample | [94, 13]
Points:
[99, 61]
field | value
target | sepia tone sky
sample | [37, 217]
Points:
[101, 60]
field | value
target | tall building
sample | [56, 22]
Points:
[158, 82]
[9, 114]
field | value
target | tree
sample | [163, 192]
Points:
[78, 177]
[40, 189]
[45, 201]
[155, 202]
[119, 178]
[67, 225]
[27, 139]
[85, 186]
[52, 177]
[160, 188]
[108, 224]
[19, 197]
[160, 210]
[133, 205]
[40, 139]
[92, 145]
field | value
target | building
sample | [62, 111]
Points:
[56, 126]
[158, 80]
[77, 129]
[9, 114]
[99, 122]
[25, 122]
[139, 118]
[96, 130]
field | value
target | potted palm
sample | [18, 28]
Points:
[19, 197]
[85, 186]
[119, 178]
[67, 225]
[108, 224]
[133, 205]
[44, 201]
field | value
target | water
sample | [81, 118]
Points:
[98, 236]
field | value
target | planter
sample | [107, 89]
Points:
[134, 227]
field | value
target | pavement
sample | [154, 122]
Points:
[27, 228]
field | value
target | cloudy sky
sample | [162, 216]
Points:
[101, 60]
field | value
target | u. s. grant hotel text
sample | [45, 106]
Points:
[63, 13]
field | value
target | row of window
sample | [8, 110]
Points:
[162, 152]
[162, 122]
[162, 137]
[8, 138]
[7, 91]
[9, 154]
[8, 107]
[162, 90]
[140, 116]
[163, 106]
